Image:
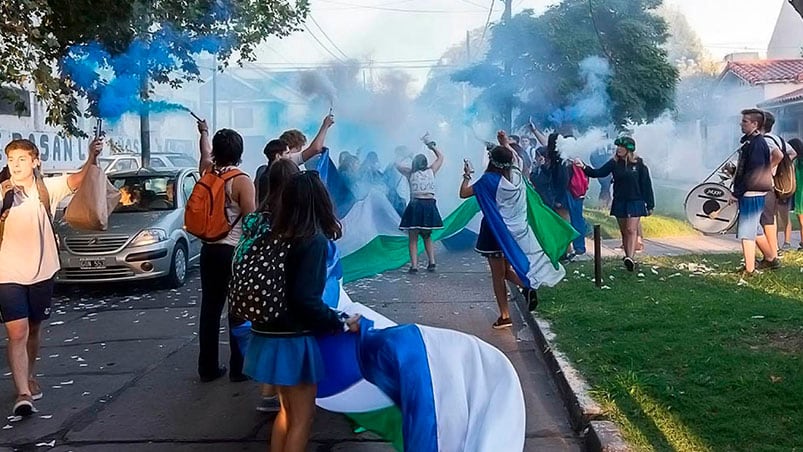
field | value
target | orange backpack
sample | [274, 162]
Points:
[205, 215]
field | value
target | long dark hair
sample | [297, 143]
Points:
[500, 161]
[279, 174]
[797, 145]
[306, 209]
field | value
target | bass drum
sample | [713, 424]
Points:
[707, 208]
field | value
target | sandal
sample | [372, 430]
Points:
[502, 323]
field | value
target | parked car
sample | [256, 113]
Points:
[145, 238]
[129, 162]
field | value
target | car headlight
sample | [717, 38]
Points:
[149, 237]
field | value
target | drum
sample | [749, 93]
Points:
[707, 208]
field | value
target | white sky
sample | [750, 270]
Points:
[416, 32]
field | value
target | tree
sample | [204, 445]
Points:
[39, 36]
[683, 43]
[545, 54]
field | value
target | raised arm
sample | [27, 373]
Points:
[316, 147]
[205, 162]
[542, 139]
[74, 181]
[438, 163]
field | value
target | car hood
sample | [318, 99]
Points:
[129, 223]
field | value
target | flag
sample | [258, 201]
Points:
[455, 392]
[532, 236]
[342, 197]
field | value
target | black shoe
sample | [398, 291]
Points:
[412, 270]
[221, 371]
[431, 268]
[531, 295]
[502, 323]
[237, 378]
[630, 264]
[774, 264]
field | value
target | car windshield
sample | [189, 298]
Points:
[145, 193]
[182, 161]
[104, 163]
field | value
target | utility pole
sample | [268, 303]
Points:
[214, 95]
[145, 123]
[508, 113]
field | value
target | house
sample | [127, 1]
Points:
[258, 103]
[745, 84]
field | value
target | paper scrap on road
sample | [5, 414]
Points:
[50, 444]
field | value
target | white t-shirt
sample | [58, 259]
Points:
[28, 253]
[771, 143]
[422, 184]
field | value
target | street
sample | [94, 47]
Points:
[118, 365]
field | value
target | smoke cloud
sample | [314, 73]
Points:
[115, 82]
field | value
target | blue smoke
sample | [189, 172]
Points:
[593, 102]
[114, 82]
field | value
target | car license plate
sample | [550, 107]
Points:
[90, 263]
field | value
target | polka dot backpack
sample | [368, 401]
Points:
[258, 279]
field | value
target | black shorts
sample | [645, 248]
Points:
[770, 208]
[31, 302]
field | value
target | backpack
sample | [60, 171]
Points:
[205, 213]
[578, 182]
[257, 289]
[784, 178]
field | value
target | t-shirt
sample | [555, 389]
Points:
[28, 232]
[422, 184]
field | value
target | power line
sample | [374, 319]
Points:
[327, 37]
[321, 44]
[401, 10]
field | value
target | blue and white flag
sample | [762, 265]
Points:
[505, 207]
[455, 392]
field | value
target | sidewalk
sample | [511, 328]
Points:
[674, 246]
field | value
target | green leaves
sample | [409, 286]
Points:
[543, 54]
[37, 35]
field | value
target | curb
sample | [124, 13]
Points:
[586, 415]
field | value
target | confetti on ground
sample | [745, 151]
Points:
[640, 275]
[56, 323]
[50, 444]
[68, 382]
[46, 416]
[741, 282]
[7, 427]
[654, 271]
[605, 288]
[757, 317]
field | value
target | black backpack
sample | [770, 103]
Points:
[258, 285]
[784, 178]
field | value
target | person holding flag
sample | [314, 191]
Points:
[518, 249]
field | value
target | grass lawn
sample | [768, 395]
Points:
[654, 226]
[684, 356]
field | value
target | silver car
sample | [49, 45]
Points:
[145, 238]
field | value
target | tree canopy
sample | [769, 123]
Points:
[38, 37]
[533, 66]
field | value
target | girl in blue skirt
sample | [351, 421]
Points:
[421, 216]
[284, 352]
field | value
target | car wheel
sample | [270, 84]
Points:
[178, 266]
